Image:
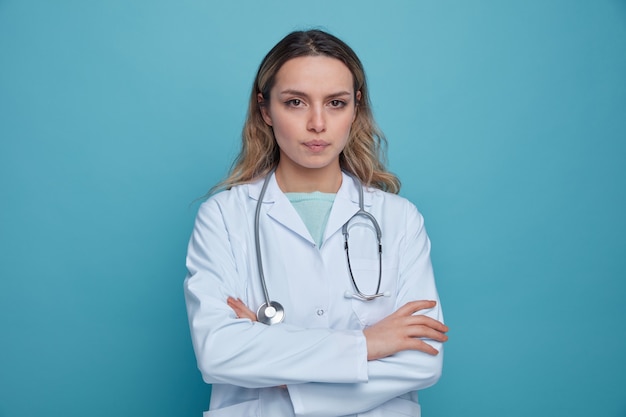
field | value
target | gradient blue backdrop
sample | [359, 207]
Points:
[506, 122]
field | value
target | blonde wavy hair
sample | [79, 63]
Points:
[365, 152]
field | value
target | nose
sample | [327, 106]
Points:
[317, 121]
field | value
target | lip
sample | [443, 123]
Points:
[316, 145]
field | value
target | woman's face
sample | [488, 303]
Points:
[311, 110]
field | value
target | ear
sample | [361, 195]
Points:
[263, 107]
[356, 104]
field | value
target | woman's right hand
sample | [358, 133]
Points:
[241, 310]
[402, 330]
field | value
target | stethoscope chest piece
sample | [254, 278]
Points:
[270, 314]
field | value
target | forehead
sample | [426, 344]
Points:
[315, 73]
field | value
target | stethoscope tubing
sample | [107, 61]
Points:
[344, 230]
[271, 312]
[257, 238]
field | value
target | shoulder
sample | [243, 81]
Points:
[389, 199]
[233, 193]
[226, 201]
[395, 205]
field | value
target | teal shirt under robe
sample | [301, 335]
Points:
[314, 209]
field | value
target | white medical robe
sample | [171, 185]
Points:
[315, 362]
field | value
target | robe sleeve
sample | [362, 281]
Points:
[239, 352]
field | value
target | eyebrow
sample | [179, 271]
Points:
[303, 94]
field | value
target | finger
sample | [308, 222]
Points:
[426, 333]
[245, 314]
[240, 309]
[427, 321]
[235, 307]
[415, 306]
[236, 304]
[417, 344]
[248, 311]
[233, 303]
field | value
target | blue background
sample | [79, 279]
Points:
[506, 122]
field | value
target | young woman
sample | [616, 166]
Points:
[294, 308]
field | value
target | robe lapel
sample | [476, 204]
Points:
[345, 206]
[280, 209]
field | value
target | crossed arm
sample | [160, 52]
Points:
[401, 330]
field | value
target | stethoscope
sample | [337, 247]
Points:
[272, 312]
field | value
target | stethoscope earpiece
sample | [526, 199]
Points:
[357, 296]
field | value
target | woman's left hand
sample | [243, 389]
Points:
[241, 310]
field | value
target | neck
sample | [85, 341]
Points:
[307, 180]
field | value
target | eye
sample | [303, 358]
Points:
[294, 102]
[337, 103]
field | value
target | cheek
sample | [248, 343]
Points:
[284, 128]
[346, 126]
[287, 125]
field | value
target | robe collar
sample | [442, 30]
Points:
[346, 204]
